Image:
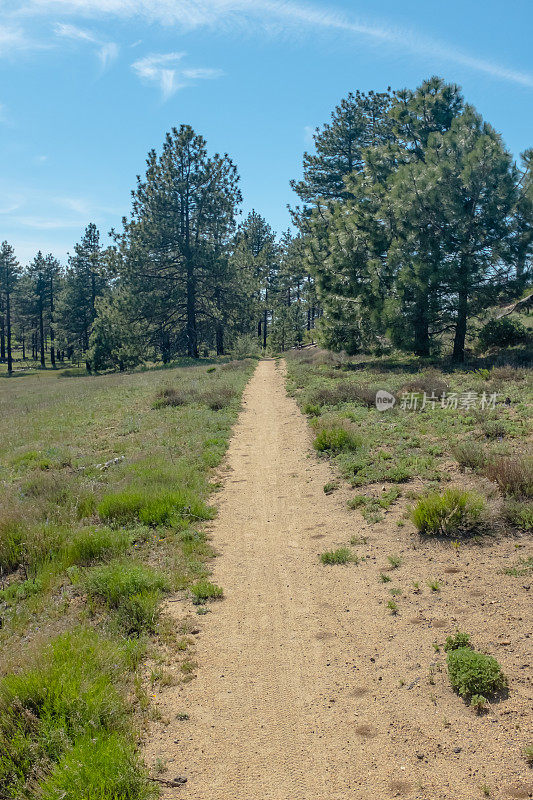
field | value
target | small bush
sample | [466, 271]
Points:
[469, 454]
[456, 641]
[519, 513]
[341, 556]
[217, 397]
[429, 382]
[150, 507]
[172, 396]
[513, 475]
[504, 332]
[495, 428]
[102, 765]
[204, 590]
[454, 512]
[472, 673]
[336, 438]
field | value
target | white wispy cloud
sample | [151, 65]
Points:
[167, 72]
[277, 15]
[106, 52]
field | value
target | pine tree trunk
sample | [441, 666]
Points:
[421, 325]
[41, 333]
[23, 345]
[460, 327]
[52, 332]
[265, 325]
[2, 339]
[220, 339]
[192, 335]
[8, 321]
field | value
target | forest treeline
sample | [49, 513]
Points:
[413, 220]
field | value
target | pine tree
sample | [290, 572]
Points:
[85, 281]
[9, 275]
[182, 219]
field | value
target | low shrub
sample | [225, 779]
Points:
[512, 474]
[336, 438]
[341, 556]
[342, 392]
[456, 641]
[452, 513]
[519, 513]
[504, 332]
[172, 396]
[429, 382]
[469, 454]
[216, 397]
[204, 590]
[472, 673]
[495, 428]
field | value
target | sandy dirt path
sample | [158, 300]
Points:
[297, 689]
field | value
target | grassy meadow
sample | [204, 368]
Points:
[105, 485]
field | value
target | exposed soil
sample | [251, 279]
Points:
[308, 687]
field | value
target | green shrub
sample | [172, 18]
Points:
[113, 583]
[469, 453]
[504, 332]
[99, 766]
[519, 513]
[473, 673]
[157, 507]
[91, 544]
[454, 512]
[336, 438]
[341, 556]
[495, 428]
[456, 641]
[204, 590]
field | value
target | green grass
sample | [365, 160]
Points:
[204, 590]
[73, 690]
[88, 551]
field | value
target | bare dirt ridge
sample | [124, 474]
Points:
[307, 687]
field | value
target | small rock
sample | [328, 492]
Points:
[179, 780]
[420, 756]
[457, 749]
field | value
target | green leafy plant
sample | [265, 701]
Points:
[394, 561]
[456, 641]
[472, 673]
[343, 555]
[336, 439]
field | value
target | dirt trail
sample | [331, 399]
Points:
[296, 694]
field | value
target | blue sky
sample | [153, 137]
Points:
[89, 86]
